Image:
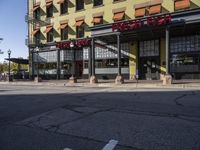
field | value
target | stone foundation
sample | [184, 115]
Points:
[37, 79]
[167, 79]
[119, 79]
[93, 80]
[72, 80]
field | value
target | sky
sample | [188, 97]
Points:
[13, 28]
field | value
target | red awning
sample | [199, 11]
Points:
[79, 23]
[118, 16]
[182, 4]
[35, 8]
[48, 29]
[35, 32]
[49, 4]
[97, 20]
[154, 9]
[63, 26]
[140, 12]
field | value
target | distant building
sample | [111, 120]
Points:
[155, 37]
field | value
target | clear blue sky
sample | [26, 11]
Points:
[13, 28]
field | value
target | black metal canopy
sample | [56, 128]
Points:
[18, 60]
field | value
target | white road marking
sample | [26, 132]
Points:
[111, 145]
[67, 149]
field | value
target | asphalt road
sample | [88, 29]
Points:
[80, 118]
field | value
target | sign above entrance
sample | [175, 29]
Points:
[137, 24]
[76, 43]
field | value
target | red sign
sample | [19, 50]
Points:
[78, 43]
[136, 24]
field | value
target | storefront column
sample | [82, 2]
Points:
[167, 80]
[90, 61]
[119, 79]
[93, 78]
[73, 78]
[58, 64]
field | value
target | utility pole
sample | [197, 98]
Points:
[1, 52]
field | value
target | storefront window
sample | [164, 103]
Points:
[149, 48]
[185, 63]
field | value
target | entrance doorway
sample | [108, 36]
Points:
[149, 67]
[149, 60]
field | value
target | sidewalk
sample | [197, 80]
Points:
[187, 84]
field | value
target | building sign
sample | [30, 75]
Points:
[76, 43]
[137, 24]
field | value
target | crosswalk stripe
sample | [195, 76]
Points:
[111, 145]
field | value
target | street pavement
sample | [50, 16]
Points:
[98, 118]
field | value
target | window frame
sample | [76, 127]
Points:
[80, 5]
[64, 7]
[50, 36]
[95, 3]
[63, 32]
[79, 30]
[49, 11]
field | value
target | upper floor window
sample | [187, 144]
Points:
[98, 2]
[36, 35]
[49, 32]
[63, 6]
[49, 9]
[79, 4]
[36, 13]
[181, 4]
[64, 31]
[80, 29]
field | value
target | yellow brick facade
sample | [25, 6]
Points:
[107, 8]
[89, 10]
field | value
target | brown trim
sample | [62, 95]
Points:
[123, 9]
[98, 14]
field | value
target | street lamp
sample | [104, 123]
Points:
[73, 79]
[9, 53]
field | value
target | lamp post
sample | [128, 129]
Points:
[73, 79]
[9, 53]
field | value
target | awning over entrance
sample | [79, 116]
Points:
[18, 60]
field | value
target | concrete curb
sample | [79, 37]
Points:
[107, 85]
